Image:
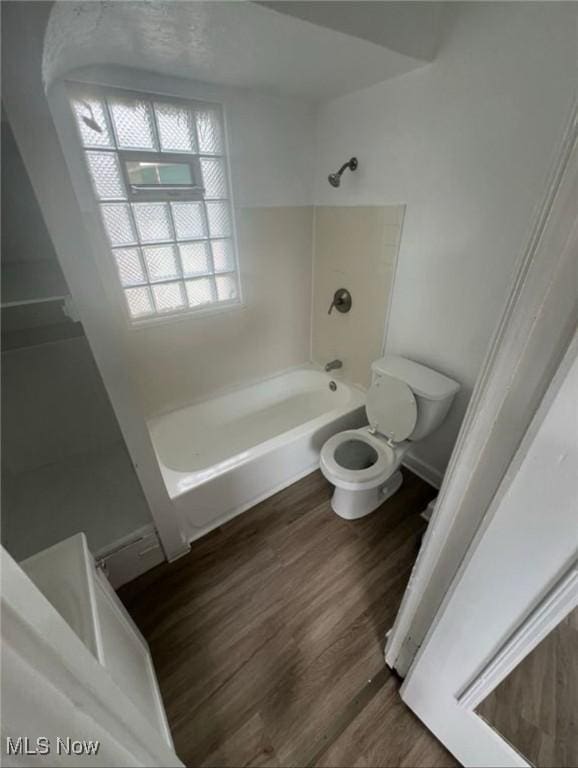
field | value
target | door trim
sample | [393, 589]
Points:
[478, 637]
[556, 605]
[530, 341]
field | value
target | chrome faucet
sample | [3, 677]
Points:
[333, 365]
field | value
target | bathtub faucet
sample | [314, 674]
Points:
[333, 365]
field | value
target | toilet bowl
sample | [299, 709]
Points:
[363, 467]
[406, 402]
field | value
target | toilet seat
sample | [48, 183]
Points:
[385, 464]
[391, 408]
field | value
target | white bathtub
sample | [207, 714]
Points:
[221, 456]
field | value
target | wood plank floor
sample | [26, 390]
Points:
[536, 707]
[268, 637]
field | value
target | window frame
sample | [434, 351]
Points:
[162, 192]
[81, 89]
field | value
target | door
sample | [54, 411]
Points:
[63, 702]
[518, 581]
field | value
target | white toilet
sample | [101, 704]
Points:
[406, 402]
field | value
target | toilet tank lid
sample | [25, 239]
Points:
[423, 381]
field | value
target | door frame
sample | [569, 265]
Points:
[558, 602]
[477, 639]
[532, 337]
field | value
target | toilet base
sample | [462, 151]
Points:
[351, 505]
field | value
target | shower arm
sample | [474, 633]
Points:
[349, 164]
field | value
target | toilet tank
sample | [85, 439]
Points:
[434, 392]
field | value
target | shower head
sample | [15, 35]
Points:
[335, 178]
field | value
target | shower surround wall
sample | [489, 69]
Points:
[356, 248]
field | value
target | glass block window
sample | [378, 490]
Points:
[159, 173]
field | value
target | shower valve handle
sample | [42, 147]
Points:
[341, 301]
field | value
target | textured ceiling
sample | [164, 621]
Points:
[231, 43]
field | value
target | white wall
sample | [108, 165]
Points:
[467, 144]
[55, 405]
[272, 143]
[24, 233]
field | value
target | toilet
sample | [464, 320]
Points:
[405, 402]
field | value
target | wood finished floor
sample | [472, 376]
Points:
[536, 707]
[268, 637]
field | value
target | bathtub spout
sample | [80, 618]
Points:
[333, 365]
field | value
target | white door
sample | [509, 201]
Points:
[62, 701]
[517, 581]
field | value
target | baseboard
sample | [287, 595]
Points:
[427, 514]
[424, 470]
[129, 557]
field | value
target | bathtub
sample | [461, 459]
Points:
[221, 456]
